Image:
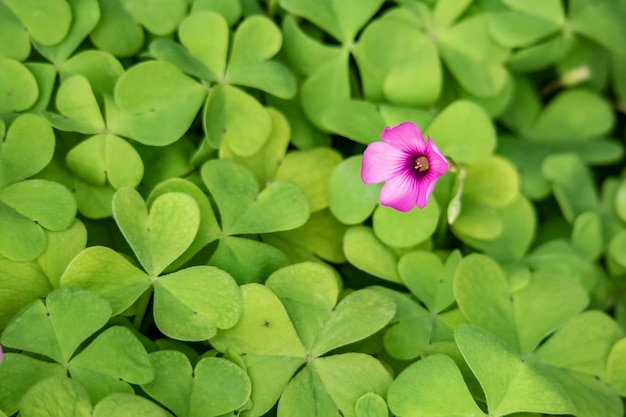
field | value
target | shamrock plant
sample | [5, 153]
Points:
[303, 326]
[356, 208]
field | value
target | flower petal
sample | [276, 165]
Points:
[381, 161]
[438, 164]
[425, 189]
[400, 192]
[405, 136]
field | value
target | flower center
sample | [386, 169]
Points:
[421, 165]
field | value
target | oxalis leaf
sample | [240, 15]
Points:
[280, 206]
[189, 304]
[163, 234]
[57, 328]
[303, 325]
[214, 387]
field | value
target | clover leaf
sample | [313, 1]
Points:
[280, 206]
[301, 326]
[59, 395]
[21, 213]
[502, 345]
[189, 304]
[214, 387]
[231, 115]
[55, 329]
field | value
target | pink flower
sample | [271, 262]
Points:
[407, 164]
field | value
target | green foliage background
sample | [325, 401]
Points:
[184, 231]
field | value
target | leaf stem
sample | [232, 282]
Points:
[142, 306]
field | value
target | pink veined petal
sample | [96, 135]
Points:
[381, 161]
[426, 187]
[405, 136]
[438, 164]
[400, 192]
[430, 144]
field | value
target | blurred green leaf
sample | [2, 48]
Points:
[47, 21]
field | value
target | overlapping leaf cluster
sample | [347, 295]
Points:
[184, 230]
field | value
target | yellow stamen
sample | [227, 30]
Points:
[421, 164]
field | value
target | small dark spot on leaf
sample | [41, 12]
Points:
[596, 377]
[195, 313]
[4, 138]
[152, 110]
[378, 109]
[73, 190]
[441, 281]
[334, 308]
[340, 412]
[121, 379]
[105, 172]
[36, 222]
[224, 131]
[243, 354]
[266, 324]
[48, 313]
[511, 298]
[193, 374]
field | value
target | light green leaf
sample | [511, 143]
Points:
[482, 292]
[21, 283]
[265, 163]
[469, 142]
[161, 236]
[310, 169]
[320, 237]
[75, 100]
[113, 360]
[18, 87]
[57, 396]
[333, 385]
[107, 273]
[127, 405]
[159, 17]
[582, 344]
[14, 39]
[342, 19]
[47, 21]
[158, 103]
[117, 31]
[191, 304]
[206, 25]
[280, 206]
[236, 118]
[572, 184]
[559, 121]
[350, 200]
[511, 384]
[405, 229]
[366, 252]
[247, 260]
[256, 41]
[208, 229]
[85, 15]
[57, 328]
[26, 199]
[268, 344]
[432, 386]
[18, 374]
